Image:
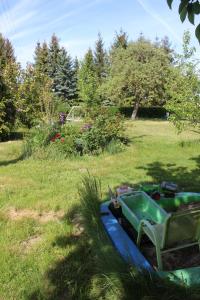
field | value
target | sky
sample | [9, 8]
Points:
[77, 23]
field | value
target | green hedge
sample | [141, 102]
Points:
[145, 112]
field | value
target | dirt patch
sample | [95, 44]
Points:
[44, 217]
[30, 242]
[179, 259]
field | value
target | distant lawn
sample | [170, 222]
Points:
[43, 252]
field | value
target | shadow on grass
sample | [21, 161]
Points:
[92, 269]
[188, 180]
[12, 161]
[13, 136]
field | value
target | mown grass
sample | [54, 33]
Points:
[53, 259]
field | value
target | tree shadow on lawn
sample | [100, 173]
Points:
[93, 261]
[187, 180]
[72, 277]
[13, 136]
[5, 163]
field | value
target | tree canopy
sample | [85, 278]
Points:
[9, 70]
[138, 75]
[184, 88]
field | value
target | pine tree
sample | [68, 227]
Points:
[100, 59]
[65, 81]
[6, 52]
[54, 52]
[41, 58]
[76, 65]
[88, 81]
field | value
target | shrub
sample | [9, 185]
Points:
[37, 138]
[52, 141]
[104, 126]
[66, 141]
[103, 131]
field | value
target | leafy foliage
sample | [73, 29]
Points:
[184, 89]
[35, 99]
[184, 103]
[105, 128]
[9, 73]
[52, 142]
[137, 75]
[188, 8]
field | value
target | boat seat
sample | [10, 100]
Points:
[179, 230]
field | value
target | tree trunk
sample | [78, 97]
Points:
[135, 110]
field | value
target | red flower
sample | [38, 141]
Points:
[58, 135]
[53, 140]
[62, 140]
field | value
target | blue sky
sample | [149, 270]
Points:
[77, 23]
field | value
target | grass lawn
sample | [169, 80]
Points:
[43, 252]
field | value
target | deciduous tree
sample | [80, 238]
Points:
[138, 75]
[9, 72]
[184, 88]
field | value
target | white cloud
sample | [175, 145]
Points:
[14, 18]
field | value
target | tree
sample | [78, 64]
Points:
[65, 80]
[53, 57]
[138, 75]
[27, 97]
[35, 99]
[87, 80]
[100, 59]
[184, 102]
[184, 89]
[46, 100]
[188, 8]
[9, 72]
[42, 58]
[76, 67]
[120, 40]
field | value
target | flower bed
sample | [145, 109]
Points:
[102, 130]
